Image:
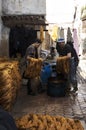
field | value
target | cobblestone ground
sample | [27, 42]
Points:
[73, 105]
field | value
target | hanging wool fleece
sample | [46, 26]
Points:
[62, 65]
[33, 68]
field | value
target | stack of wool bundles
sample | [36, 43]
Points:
[10, 81]
[33, 68]
[47, 122]
[63, 64]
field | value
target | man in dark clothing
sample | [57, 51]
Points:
[6, 121]
[74, 54]
[67, 50]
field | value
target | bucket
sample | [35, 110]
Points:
[56, 88]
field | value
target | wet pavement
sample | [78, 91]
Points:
[72, 105]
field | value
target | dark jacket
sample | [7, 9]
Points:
[6, 121]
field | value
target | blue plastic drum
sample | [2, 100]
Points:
[56, 88]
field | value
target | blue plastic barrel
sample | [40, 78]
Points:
[45, 74]
[56, 88]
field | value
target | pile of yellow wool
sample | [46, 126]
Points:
[10, 81]
[47, 122]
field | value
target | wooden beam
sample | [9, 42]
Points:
[12, 20]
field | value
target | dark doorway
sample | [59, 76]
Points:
[19, 39]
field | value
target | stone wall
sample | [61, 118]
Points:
[5, 41]
[4, 36]
[24, 6]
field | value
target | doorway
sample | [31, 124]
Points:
[19, 39]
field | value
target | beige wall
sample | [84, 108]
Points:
[24, 6]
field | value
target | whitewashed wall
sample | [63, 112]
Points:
[24, 6]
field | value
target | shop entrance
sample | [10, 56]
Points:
[19, 39]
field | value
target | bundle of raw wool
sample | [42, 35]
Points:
[33, 68]
[10, 81]
[63, 65]
[47, 122]
[4, 59]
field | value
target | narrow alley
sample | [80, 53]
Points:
[72, 105]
